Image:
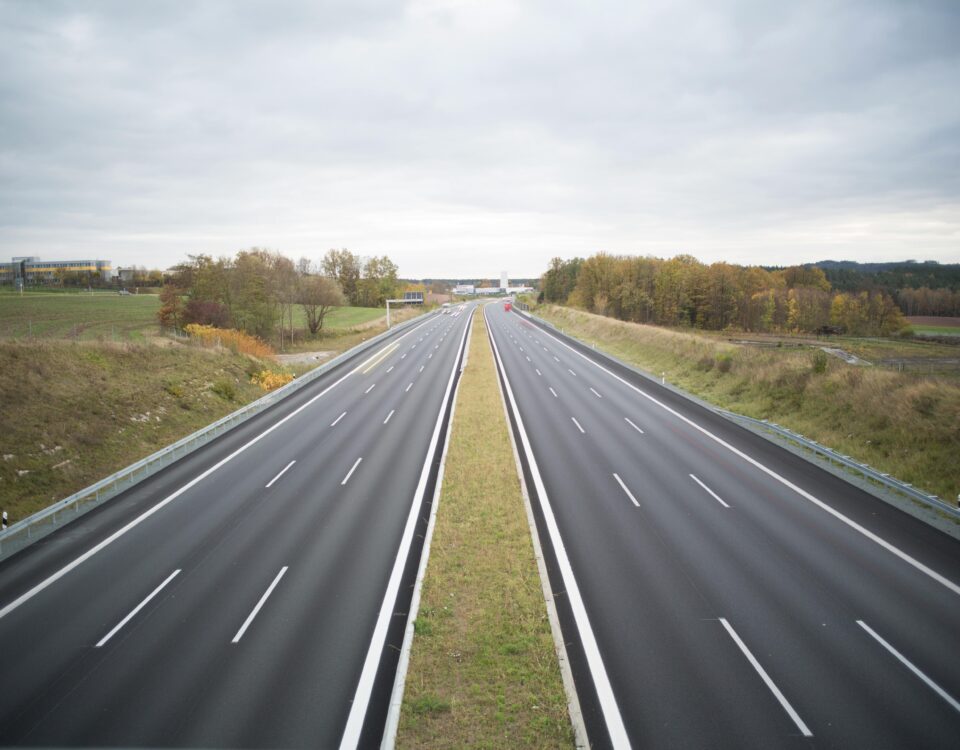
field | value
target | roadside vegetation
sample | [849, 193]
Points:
[483, 670]
[73, 315]
[75, 413]
[905, 423]
[90, 384]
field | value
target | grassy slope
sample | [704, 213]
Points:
[905, 424]
[483, 670]
[75, 413]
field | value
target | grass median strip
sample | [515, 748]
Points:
[483, 669]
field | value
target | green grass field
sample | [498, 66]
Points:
[936, 330]
[108, 316]
[82, 316]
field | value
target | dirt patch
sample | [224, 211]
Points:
[303, 358]
[933, 320]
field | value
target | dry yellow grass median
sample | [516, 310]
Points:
[483, 669]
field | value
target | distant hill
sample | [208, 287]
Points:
[851, 276]
[848, 275]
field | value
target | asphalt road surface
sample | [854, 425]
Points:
[718, 591]
[254, 593]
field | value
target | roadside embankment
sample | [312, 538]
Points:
[483, 669]
[75, 413]
[906, 423]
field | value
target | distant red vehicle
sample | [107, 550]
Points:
[507, 306]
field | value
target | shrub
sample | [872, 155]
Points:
[724, 363]
[174, 390]
[206, 313]
[925, 404]
[819, 362]
[238, 341]
[705, 364]
[269, 380]
[225, 390]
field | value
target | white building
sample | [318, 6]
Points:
[504, 281]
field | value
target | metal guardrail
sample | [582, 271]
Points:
[33, 528]
[865, 470]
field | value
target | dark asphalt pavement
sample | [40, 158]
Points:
[251, 609]
[737, 595]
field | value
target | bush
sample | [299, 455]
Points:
[174, 390]
[238, 341]
[819, 362]
[225, 390]
[705, 364]
[724, 363]
[269, 380]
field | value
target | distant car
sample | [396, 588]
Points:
[123, 291]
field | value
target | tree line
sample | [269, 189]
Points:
[682, 291]
[927, 288]
[257, 290]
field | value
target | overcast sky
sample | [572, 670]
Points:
[462, 138]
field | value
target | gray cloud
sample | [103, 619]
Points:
[462, 137]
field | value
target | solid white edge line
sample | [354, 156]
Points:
[263, 599]
[891, 548]
[136, 609]
[389, 415]
[595, 393]
[334, 422]
[601, 681]
[712, 494]
[283, 471]
[804, 730]
[352, 469]
[400, 679]
[361, 698]
[580, 738]
[909, 665]
[626, 489]
[583, 431]
[633, 425]
[54, 577]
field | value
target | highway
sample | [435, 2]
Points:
[715, 590]
[252, 595]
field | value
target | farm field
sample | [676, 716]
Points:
[108, 316]
[81, 316]
[931, 324]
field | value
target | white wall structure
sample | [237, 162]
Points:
[504, 281]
